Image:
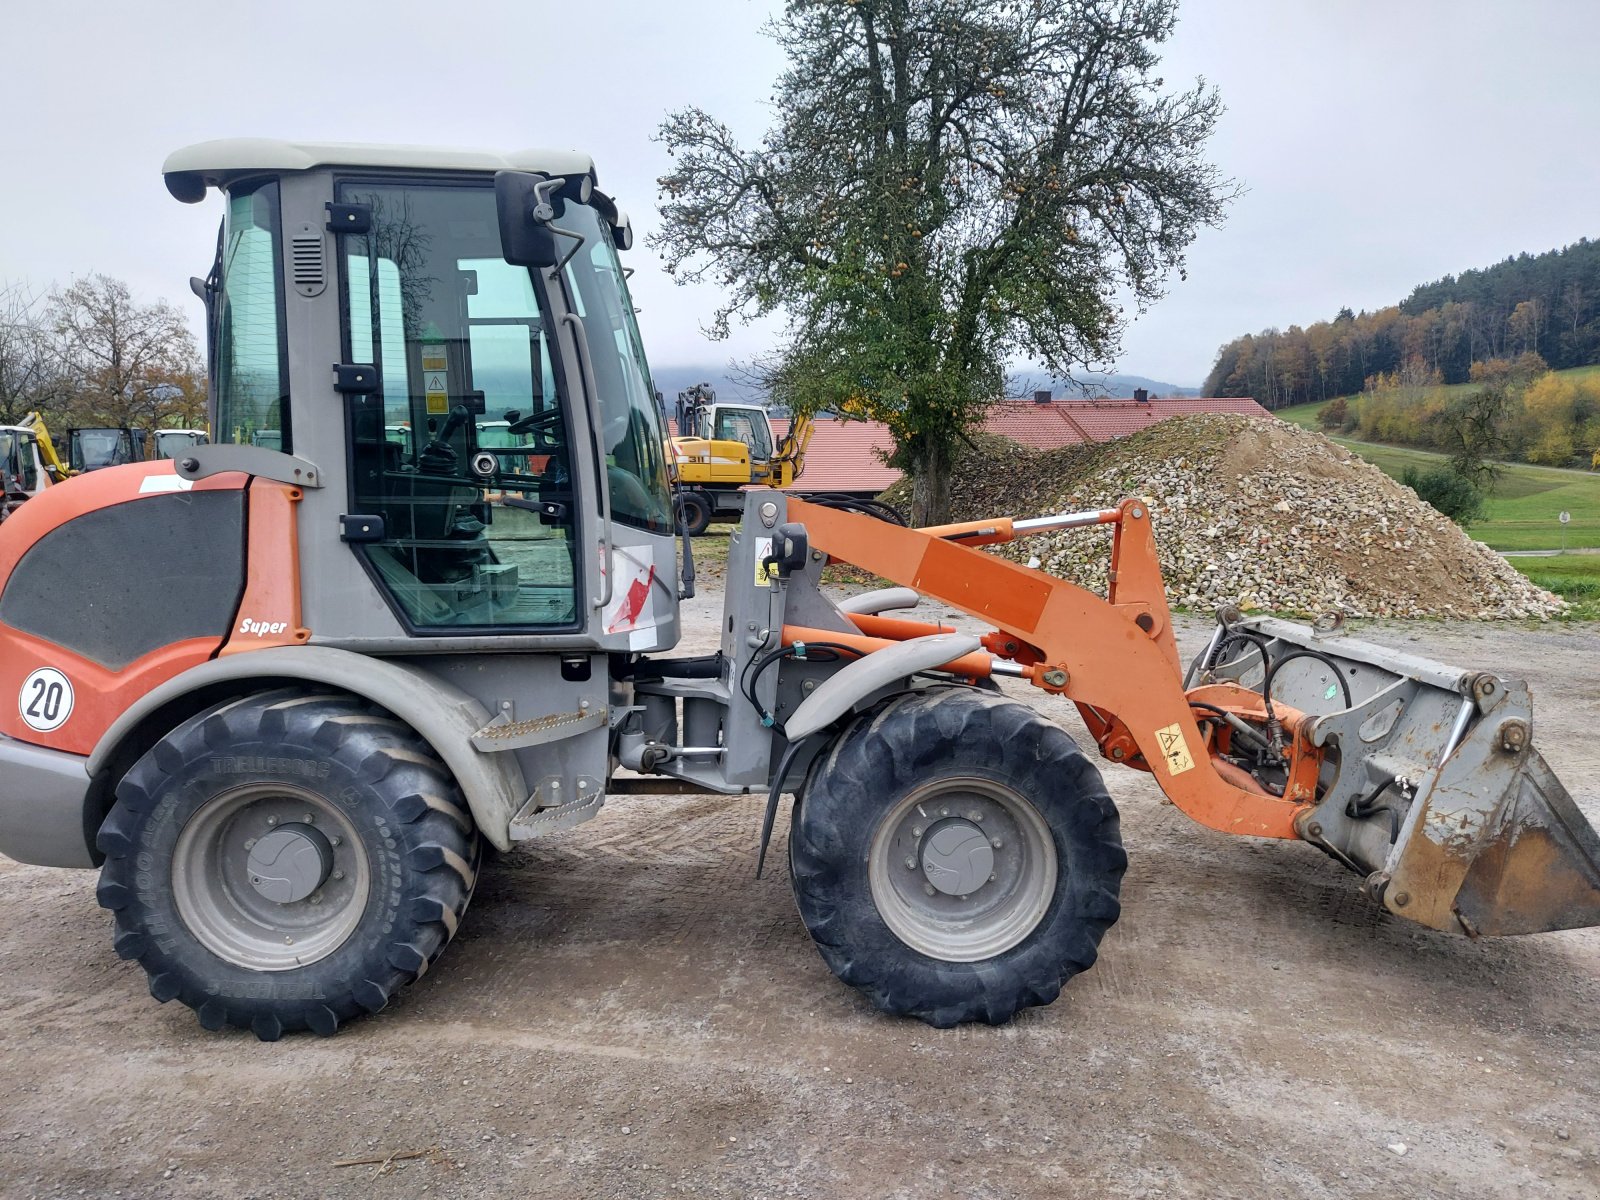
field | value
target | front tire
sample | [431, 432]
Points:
[956, 858]
[695, 511]
[287, 862]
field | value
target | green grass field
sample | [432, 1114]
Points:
[1573, 577]
[1523, 509]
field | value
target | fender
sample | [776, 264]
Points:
[443, 715]
[871, 672]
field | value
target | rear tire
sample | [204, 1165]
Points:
[287, 862]
[695, 511]
[996, 806]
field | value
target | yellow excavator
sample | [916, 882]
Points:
[721, 449]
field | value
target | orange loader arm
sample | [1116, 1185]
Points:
[1114, 656]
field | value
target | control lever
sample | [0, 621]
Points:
[438, 457]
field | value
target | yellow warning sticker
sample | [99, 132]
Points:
[1174, 750]
[433, 359]
[438, 402]
[763, 550]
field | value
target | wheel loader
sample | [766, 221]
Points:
[284, 695]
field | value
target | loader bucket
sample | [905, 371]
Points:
[1432, 786]
[1506, 851]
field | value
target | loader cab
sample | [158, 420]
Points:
[490, 447]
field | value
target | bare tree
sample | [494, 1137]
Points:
[126, 362]
[30, 360]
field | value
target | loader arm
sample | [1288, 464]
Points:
[1114, 656]
[1419, 776]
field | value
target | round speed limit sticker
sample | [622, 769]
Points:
[45, 700]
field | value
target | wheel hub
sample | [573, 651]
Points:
[962, 868]
[290, 863]
[957, 858]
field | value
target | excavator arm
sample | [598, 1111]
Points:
[47, 448]
[789, 459]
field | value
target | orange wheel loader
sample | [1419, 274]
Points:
[283, 689]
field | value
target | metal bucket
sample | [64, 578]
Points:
[1431, 786]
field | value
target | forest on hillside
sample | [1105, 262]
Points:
[1545, 304]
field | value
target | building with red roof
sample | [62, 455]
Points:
[847, 456]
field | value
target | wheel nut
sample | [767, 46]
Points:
[338, 874]
[911, 864]
[272, 820]
[336, 841]
[929, 888]
[944, 812]
[308, 818]
[975, 816]
[992, 878]
[916, 831]
[250, 844]
[995, 843]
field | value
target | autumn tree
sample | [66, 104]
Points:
[125, 362]
[949, 185]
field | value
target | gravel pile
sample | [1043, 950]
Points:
[1261, 513]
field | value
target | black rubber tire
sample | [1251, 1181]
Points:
[695, 511]
[912, 740]
[422, 851]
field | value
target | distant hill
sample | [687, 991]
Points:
[671, 380]
[1546, 305]
[1107, 385]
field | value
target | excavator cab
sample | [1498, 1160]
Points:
[22, 472]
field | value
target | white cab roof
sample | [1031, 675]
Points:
[214, 164]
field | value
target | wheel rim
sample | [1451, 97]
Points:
[963, 833]
[270, 876]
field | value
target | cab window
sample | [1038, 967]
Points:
[464, 365]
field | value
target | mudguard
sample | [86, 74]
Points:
[443, 715]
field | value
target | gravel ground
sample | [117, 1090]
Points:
[629, 1013]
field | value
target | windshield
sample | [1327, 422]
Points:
[631, 429]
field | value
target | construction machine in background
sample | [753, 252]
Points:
[22, 470]
[721, 449]
[387, 654]
[172, 443]
[93, 448]
[28, 462]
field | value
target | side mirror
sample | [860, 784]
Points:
[525, 213]
[528, 203]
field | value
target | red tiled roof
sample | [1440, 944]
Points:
[842, 456]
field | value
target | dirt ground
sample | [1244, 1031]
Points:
[628, 1012]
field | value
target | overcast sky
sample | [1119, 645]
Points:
[1383, 142]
